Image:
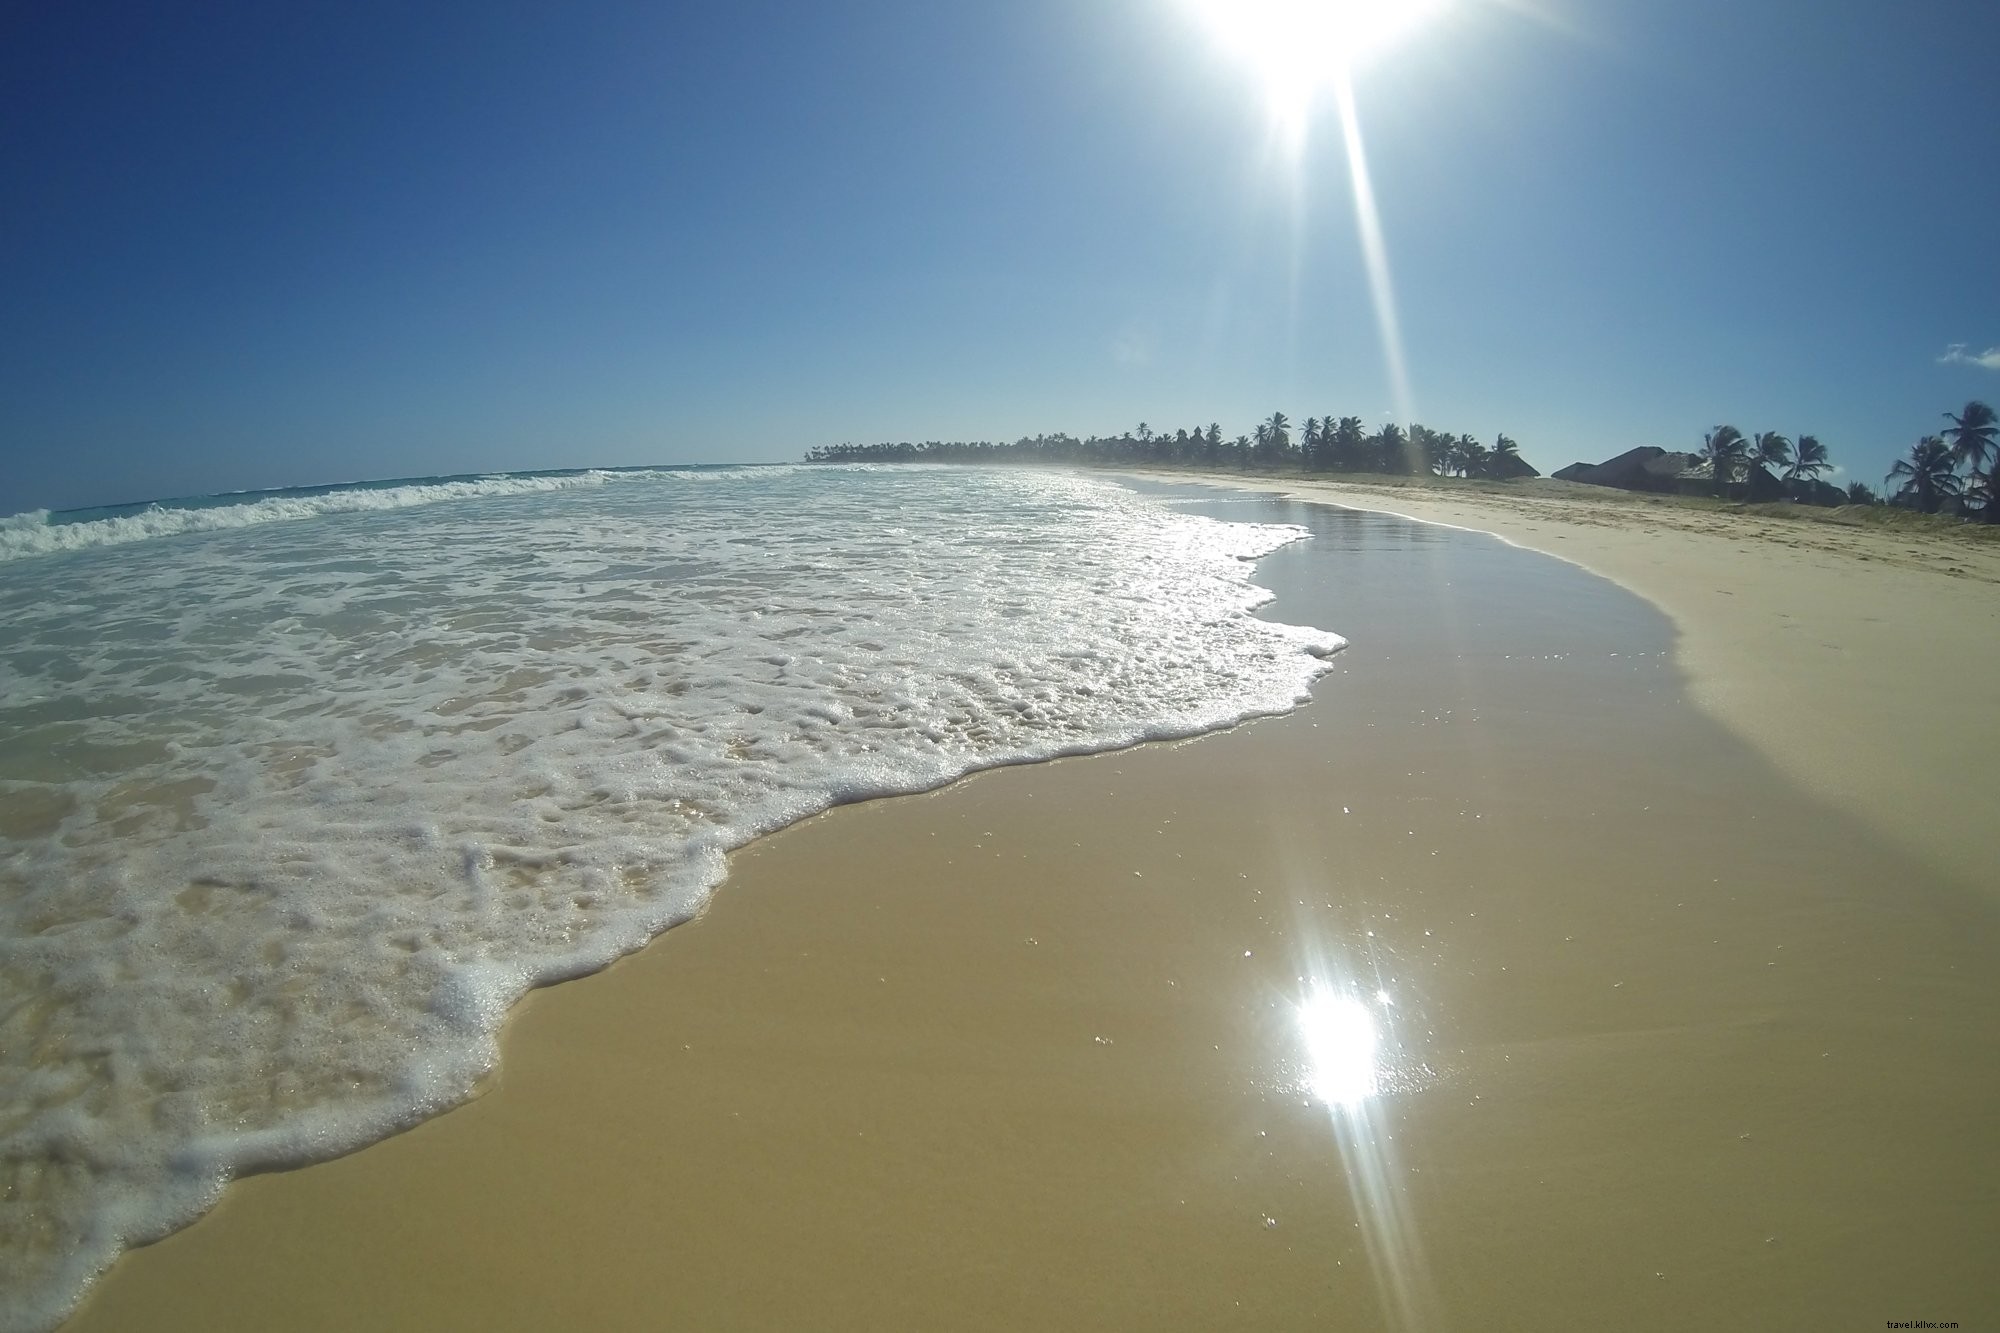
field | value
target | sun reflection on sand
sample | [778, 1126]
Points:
[1350, 1051]
[1341, 1044]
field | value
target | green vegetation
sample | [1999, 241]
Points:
[1927, 476]
[1974, 440]
[1951, 473]
[1806, 463]
[1323, 444]
[1956, 473]
[1726, 451]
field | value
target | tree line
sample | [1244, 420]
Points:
[1954, 469]
[1731, 456]
[1958, 468]
[1323, 444]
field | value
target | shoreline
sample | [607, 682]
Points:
[1021, 1049]
[1769, 646]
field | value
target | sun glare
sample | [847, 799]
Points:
[1340, 1041]
[1298, 47]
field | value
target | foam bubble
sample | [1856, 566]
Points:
[293, 815]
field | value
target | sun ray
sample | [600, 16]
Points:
[1299, 51]
[1375, 254]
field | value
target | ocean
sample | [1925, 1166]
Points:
[301, 790]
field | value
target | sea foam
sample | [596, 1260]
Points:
[40, 532]
[289, 817]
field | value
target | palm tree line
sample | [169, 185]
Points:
[1731, 455]
[1959, 467]
[1956, 467]
[1323, 444]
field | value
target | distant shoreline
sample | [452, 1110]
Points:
[1800, 630]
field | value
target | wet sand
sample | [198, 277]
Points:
[1667, 1040]
[1859, 658]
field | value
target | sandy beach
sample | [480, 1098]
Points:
[1672, 903]
[1859, 659]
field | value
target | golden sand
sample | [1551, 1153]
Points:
[1677, 1044]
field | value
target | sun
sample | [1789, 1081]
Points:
[1297, 47]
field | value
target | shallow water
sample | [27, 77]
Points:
[1659, 1042]
[303, 792]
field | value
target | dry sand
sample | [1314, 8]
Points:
[1672, 1042]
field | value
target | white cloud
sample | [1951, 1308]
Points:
[1135, 344]
[1956, 355]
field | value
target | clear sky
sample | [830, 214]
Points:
[258, 244]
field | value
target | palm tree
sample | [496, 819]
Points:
[1391, 450]
[1807, 463]
[1438, 452]
[1927, 475]
[1506, 454]
[1772, 451]
[1346, 446]
[1430, 451]
[1472, 457]
[1973, 434]
[1274, 438]
[1860, 493]
[1725, 449]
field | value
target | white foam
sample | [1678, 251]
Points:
[292, 819]
[31, 533]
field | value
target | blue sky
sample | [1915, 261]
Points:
[260, 245]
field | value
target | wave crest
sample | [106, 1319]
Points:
[32, 533]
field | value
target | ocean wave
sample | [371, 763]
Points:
[33, 533]
[288, 830]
